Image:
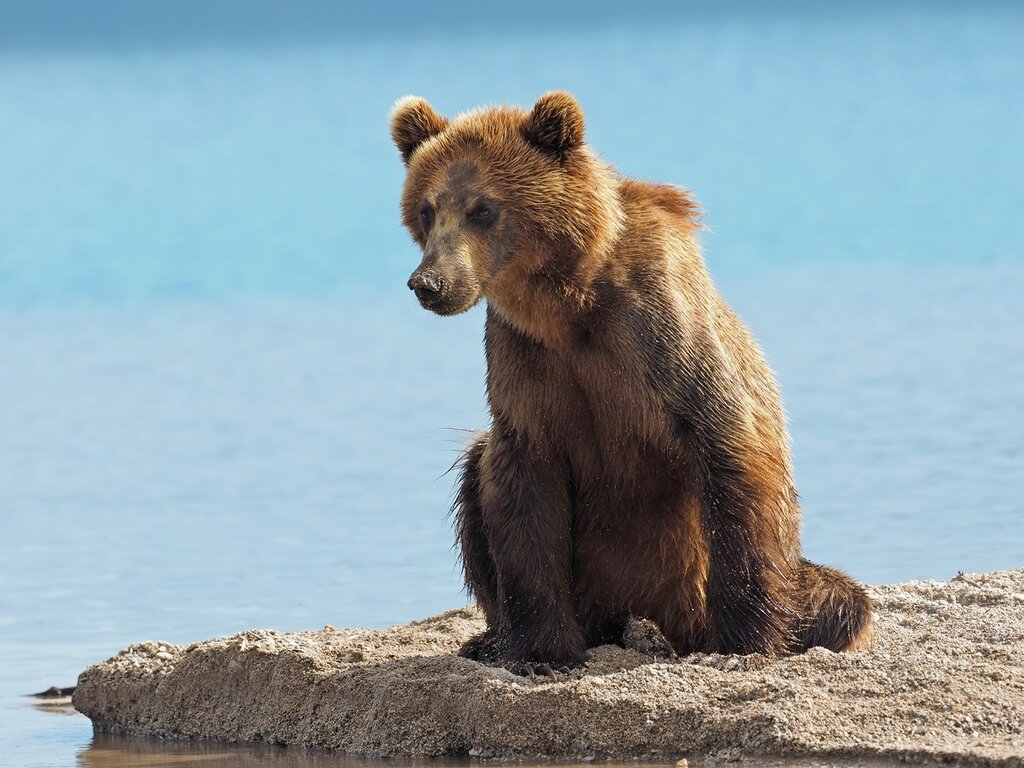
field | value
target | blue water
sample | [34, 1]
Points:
[222, 409]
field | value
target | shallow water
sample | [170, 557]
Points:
[222, 408]
[112, 751]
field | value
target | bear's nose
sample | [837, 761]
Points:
[426, 285]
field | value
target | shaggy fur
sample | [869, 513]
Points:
[637, 461]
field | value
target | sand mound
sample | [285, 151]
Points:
[944, 681]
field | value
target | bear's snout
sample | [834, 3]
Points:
[444, 291]
[426, 285]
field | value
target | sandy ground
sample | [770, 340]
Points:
[944, 682]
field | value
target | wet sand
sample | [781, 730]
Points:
[944, 682]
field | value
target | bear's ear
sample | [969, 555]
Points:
[555, 125]
[413, 121]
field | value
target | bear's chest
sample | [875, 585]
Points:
[588, 404]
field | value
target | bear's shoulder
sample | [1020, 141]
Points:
[639, 195]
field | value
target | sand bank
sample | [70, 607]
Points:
[944, 682]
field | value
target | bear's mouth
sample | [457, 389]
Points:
[444, 305]
[428, 298]
[451, 302]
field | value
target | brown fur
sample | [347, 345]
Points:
[638, 460]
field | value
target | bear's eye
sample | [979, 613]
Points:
[482, 214]
[426, 217]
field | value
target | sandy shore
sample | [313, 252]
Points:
[944, 682]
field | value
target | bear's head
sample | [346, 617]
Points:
[500, 195]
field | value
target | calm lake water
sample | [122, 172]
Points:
[222, 409]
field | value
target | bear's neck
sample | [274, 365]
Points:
[548, 287]
[549, 292]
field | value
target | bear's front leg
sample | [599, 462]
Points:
[524, 494]
[475, 552]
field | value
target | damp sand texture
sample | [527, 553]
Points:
[943, 682]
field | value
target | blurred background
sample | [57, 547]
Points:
[220, 407]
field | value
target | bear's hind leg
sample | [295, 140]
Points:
[835, 610]
[477, 565]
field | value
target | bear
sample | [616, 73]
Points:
[637, 462]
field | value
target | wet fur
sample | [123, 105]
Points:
[637, 461]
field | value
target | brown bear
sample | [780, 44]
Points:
[637, 462]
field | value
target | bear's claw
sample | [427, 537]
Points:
[533, 669]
